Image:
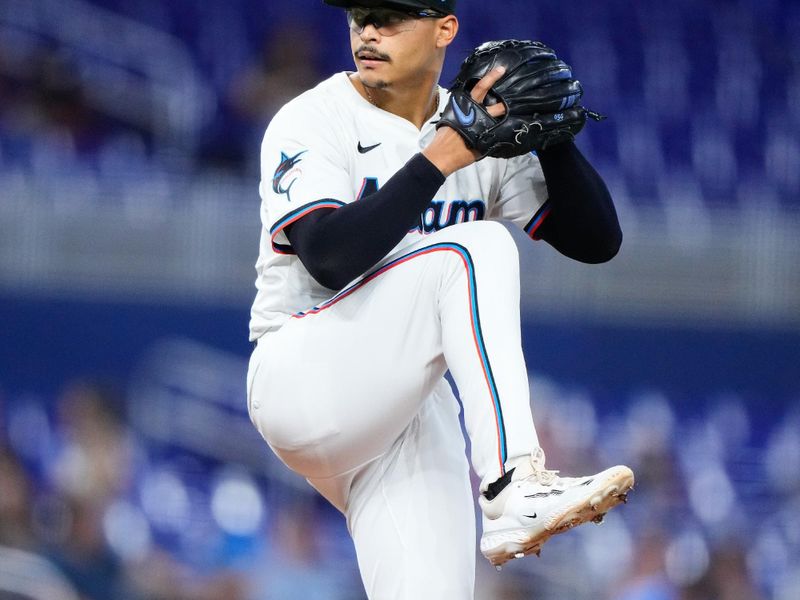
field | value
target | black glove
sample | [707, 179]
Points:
[538, 90]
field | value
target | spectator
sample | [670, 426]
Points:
[647, 579]
[15, 503]
[95, 460]
[286, 66]
[727, 577]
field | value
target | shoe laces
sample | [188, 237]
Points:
[540, 474]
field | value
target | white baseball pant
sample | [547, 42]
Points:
[350, 394]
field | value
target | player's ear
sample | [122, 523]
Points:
[447, 28]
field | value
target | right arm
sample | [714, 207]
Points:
[337, 245]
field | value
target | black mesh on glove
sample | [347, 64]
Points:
[538, 90]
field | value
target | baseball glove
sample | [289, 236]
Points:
[538, 90]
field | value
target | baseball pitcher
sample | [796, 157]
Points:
[382, 266]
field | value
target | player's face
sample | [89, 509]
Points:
[393, 48]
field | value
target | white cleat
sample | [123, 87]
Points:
[537, 504]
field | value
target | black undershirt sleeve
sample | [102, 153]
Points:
[582, 223]
[338, 245]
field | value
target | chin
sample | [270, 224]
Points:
[373, 82]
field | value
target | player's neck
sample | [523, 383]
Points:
[416, 104]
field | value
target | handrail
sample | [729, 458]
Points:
[128, 70]
[30, 575]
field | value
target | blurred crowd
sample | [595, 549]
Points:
[50, 116]
[80, 490]
[43, 100]
[92, 507]
[701, 96]
[111, 514]
[99, 105]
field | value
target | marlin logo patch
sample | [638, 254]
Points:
[287, 173]
[466, 119]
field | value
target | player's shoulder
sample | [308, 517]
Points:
[313, 107]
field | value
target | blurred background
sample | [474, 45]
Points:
[129, 138]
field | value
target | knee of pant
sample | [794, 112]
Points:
[488, 240]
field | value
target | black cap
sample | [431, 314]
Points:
[443, 6]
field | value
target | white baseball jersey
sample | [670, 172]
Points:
[329, 147]
[349, 389]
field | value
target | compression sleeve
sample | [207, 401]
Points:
[336, 245]
[582, 223]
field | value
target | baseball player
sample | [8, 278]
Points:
[382, 266]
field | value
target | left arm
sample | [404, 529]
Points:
[578, 218]
[582, 223]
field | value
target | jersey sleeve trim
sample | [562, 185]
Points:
[296, 215]
[533, 225]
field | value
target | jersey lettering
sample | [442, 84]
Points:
[439, 213]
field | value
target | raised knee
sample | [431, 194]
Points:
[488, 238]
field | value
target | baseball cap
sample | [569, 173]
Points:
[444, 6]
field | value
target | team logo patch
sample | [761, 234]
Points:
[287, 173]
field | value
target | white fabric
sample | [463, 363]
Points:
[321, 131]
[411, 512]
[348, 390]
[335, 387]
[351, 395]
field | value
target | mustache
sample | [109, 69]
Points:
[372, 50]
